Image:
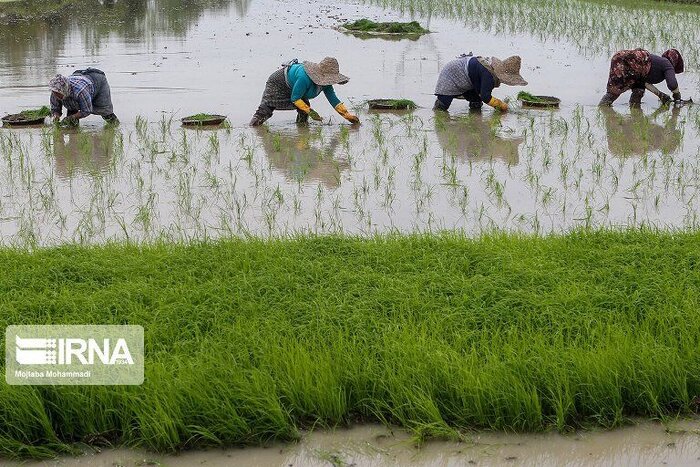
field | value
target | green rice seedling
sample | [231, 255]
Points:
[141, 127]
[214, 143]
[165, 124]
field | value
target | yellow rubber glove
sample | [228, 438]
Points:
[498, 104]
[304, 107]
[342, 110]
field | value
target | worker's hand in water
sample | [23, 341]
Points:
[313, 114]
[665, 98]
[343, 111]
[677, 96]
[69, 121]
[498, 104]
[56, 118]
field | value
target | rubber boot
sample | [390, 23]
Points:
[111, 119]
[439, 106]
[607, 100]
[636, 98]
[256, 121]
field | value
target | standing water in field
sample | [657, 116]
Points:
[527, 171]
[647, 444]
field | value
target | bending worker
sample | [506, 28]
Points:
[83, 93]
[640, 70]
[293, 86]
[474, 79]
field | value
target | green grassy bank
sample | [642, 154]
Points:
[25, 10]
[249, 341]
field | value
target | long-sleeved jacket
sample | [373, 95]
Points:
[80, 98]
[304, 88]
[463, 75]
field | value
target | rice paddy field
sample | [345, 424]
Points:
[527, 271]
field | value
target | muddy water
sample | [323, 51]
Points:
[646, 444]
[527, 171]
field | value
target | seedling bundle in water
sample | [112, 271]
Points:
[526, 96]
[537, 101]
[391, 104]
[203, 119]
[368, 26]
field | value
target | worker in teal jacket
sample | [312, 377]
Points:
[293, 86]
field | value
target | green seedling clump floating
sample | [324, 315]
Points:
[366, 25]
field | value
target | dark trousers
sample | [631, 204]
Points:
[443, 102]
[635, 98]
[265, 111]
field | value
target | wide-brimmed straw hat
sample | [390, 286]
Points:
[325, 73]
[508, 71]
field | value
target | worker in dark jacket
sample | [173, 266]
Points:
[474, 79]
[639, 71]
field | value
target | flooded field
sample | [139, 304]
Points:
[526, 171]
[646, 444]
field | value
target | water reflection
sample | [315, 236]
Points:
[306, 155]
[81, 152]
[637, 134]
[94, 22]
[476, 137]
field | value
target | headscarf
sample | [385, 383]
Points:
[674, 56]
[60, 85]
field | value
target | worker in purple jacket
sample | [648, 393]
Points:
[639, 71]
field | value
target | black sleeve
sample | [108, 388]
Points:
[482, 80]
[487, 85]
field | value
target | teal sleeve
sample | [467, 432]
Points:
[300, 86]
[330, 95]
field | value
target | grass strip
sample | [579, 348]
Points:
[26, 10]
[252, 340]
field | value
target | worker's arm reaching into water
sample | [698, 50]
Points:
[343, 111]
[665, 98]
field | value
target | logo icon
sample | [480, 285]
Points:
[35, 351]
